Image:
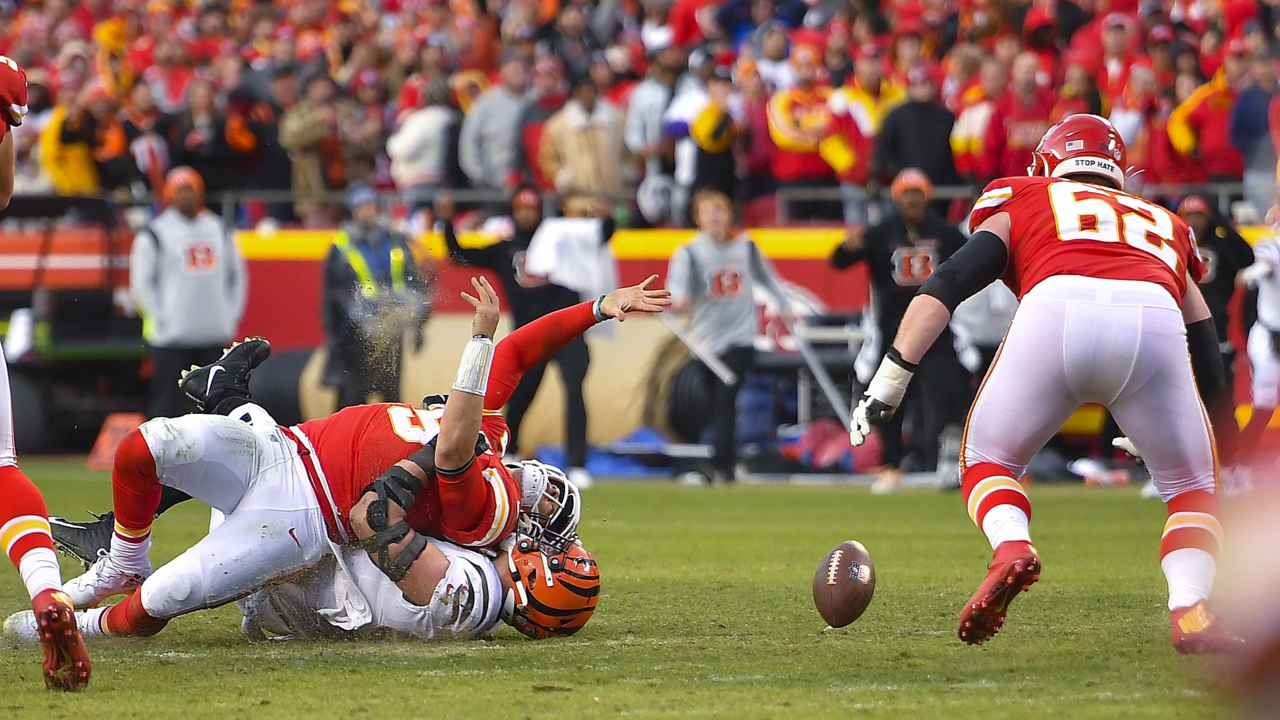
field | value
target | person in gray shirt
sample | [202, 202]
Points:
[187, 281]
[713, 277]
[485, 150]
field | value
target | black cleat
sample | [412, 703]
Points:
[227, 378]
[83, 541]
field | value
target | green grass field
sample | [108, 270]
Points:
[706, 611]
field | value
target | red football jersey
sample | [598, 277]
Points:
[357, 444]
[1064, 227]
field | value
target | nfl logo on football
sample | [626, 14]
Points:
[859, 572]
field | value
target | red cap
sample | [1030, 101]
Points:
[805, 55]
[1193, 204]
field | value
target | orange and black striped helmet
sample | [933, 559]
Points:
[553, 594]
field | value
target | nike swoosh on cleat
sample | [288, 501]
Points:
[208, 388]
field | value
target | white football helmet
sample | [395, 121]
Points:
[538, 482]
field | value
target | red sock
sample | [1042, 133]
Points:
[130, 619]
[1193, 523]
[987, 485]
[135, 488]
[24, 520]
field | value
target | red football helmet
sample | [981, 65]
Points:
[1081, 145]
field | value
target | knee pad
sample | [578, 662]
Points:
[175, 589]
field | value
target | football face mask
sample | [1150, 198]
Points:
[550, 504]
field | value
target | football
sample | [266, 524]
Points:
[844, 584]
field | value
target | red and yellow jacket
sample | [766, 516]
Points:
[856, 117]
[798, 120]
[1200, 126]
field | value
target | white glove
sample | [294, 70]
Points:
[1255, 273]
[883, 396]
[1125, 444]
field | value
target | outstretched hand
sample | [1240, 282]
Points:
[637, 298]
[487, 308]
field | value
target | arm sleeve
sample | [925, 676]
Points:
[678, 275]
[532, 344]
[467, 256]
[1206, 359]
[1182, 135]
[974, 266]
[763, 273]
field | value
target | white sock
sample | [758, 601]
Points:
[131, 555]
[1190, 574]
[93, 622]
[40, 571]
[1003, 523]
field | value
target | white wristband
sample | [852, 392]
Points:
[890, 383]
[473, 371]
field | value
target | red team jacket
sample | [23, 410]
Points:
[346, 451]
[1062, 227]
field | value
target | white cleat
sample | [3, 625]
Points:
[103, 579]
[580, 477]
[22, 626]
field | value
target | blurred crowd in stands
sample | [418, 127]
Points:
[635, 103]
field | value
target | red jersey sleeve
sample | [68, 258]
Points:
[992, 200]
[480, 506]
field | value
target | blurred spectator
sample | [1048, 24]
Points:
[772, 51]
[1134, 117]
[917, 134]
[1171, 166]
[546, 96]
[485, 150]
[649, 101]
[94, 121]
[1249, 134]
[1076, 93]
[713, 277]
[1160, 53]
[253, 132]
[690, 99]
[858, 111]
[1018, 121]
[530, 298]
[421, 150]
[1117, 57]
[200, 139]
[1199, 128]
[571, 40]
[362, 125]
[976, 107]
[309, 131]
[713, 130]
[1226, 253]
[1039, 34]
[582, 150]
[67, 159]
[901, 253]
[147, 130]
[799, 121]
[755, 141]
[374, 293]
[188, 283]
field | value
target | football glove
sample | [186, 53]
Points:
[13, 92]
[1125, 444]
[883, 396]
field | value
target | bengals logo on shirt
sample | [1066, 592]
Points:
[199, 257]
[725, 283]
[913, 264]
